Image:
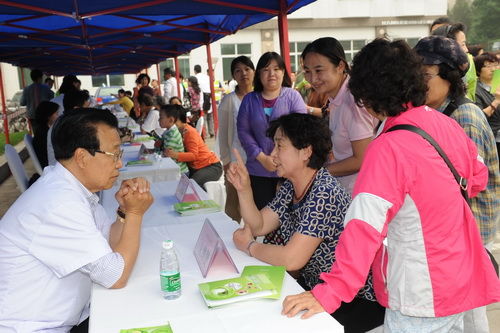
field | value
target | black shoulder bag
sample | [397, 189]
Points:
[462, 182]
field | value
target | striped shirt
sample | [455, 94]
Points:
[486, 205]
[172, 139]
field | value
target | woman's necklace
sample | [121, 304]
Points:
[297, 199]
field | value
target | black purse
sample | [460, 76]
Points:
[462, 182]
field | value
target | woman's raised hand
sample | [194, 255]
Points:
[238, 174]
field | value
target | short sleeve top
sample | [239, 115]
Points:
[320, 214]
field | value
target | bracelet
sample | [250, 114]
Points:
[121, 215]
[248, 247]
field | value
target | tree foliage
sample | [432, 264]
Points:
[485, 25]
[461, 12]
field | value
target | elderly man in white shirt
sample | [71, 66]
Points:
[56, 239]
[170, 86]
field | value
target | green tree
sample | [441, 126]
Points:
[485, 28]
[461, 12]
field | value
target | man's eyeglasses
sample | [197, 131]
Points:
[116, 156]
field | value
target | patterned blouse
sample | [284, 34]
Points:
[195, 99]
[319, 214]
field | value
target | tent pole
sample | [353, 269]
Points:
[283, 34]
[23, 81]
[178, 76]
[158, 74]
[212, 88]
[4, 109]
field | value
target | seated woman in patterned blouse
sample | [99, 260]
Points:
[303, 222]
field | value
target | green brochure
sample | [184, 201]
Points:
[217, 293]
[495, 82]
[139, 163]
[153, 329]
[275, 273]
[196, 207]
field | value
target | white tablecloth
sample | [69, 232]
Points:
[140, 303]
[163, 170]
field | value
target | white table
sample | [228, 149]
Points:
[163, 170]
[140, 303]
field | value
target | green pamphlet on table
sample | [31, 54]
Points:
[196, 207]
[254, 282]
[153, 329]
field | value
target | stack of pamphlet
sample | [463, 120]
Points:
[196, 207]
[254, 282]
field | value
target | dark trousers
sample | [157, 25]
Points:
[264, 190]
[82, 328]
[210, 173]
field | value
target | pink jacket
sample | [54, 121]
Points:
[434, 264]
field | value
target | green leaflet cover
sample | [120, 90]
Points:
[495, 81]
[275, 273]
[217, 293]
[139, 163]
[196, 207]
[154, 329]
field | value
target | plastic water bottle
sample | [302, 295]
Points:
[170, 277]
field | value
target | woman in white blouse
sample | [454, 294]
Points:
[243, 71]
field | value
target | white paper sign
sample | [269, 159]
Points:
[185, 191]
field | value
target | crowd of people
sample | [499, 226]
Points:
[375, 183]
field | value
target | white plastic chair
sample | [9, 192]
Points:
[199, 125]
[28, 141]
[16, 167]
[216, 190]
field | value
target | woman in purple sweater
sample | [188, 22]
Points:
[272, 98]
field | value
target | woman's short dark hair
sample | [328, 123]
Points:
[146, 99]
[305, 130]
[241, 60]
[68, 84]
[454, 77]
[75, 98]
[173, 98]
[78, 129]
[386, 76]
[264, 60]
[44, 110]
[328, 47]
[194, 84]
[481, 59]
[141, 76]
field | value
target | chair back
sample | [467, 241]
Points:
[199, 125]
[16, 167]
[28, 141]
[216, 190]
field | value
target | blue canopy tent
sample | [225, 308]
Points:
[124, 36]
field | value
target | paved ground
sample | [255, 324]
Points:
[9, 193]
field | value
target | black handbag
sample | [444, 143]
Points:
[462, 182]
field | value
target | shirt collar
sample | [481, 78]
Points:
[338, 99]
[92, 198]
[444, 105]
[381, 127]
[484, 85]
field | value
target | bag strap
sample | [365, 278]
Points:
[462, 182]
[454, 104]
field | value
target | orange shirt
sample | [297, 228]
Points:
[197, 154]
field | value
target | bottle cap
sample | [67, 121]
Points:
[168, 244]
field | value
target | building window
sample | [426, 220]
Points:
[351, 47]
[229, 52]
[296, 49]
[108, 80]
[183, 64]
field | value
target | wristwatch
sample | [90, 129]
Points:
[310, 110]
[121, 215]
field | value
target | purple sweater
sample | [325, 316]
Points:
[252, 125]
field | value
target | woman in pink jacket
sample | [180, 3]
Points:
[434, 267]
